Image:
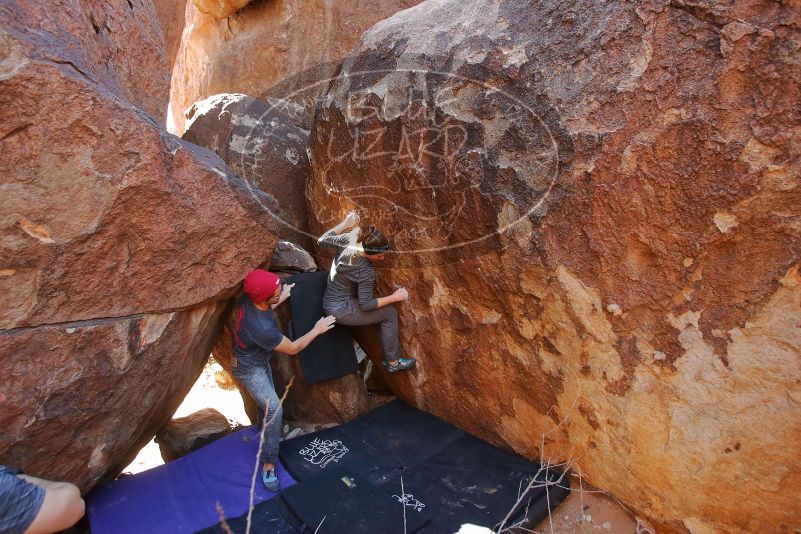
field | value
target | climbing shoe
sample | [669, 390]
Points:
[270, 480]
[401, 365]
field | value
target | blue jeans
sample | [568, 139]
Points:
[259, 383]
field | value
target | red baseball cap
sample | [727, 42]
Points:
[260, 285]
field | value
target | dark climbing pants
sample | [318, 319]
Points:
[387, 317]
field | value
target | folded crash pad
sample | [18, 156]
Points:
[183, 495]
[330, 355]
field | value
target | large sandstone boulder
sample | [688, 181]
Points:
[109, 43]
[288, 257]
[119, 241]
[262, 145]
[595, 208]
[84, 397]
[276, 48]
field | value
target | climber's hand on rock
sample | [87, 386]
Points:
[325, 324]
[400, 294]
[351, 219]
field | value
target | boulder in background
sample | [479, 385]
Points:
[261, 144]
[183, 435]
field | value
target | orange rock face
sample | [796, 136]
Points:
[267, 48]
[83, 397]
[171, 17]
[596, 211]
[220, 9]
[118, 241]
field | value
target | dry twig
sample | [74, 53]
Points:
[321, 524]
[537, 481]
[223, 522]
[546, 465]
[403, 504]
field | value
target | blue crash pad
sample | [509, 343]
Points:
[182, 496]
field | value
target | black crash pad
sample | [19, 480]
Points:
[269, 517]
[374, 445]
[339, 500]
[454, 477]
[330, 355]
[470, 481]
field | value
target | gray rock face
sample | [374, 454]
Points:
[296, 113]
[595, 208]
[289, 257]
[262, 144]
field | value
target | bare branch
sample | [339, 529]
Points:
[541, 479]
[403, 504]
[221, 515]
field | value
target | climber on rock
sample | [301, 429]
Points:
[256, 336]
[36, 506]
[349, 295]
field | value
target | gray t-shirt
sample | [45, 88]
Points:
[256, 334]
[20, 502]
[352, 276]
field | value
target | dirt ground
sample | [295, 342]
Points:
[588, 511]
[583, 512]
